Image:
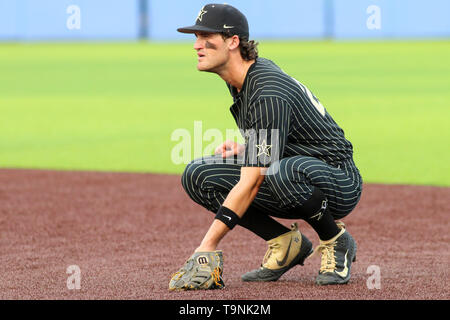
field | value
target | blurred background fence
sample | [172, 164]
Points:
[131, 20]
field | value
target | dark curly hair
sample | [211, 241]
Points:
[248, 49]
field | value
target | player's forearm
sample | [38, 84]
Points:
[240, 197]
[216, 232]
[238, 200]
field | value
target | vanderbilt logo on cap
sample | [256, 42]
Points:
[201, 13]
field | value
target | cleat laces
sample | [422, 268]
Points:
[328, 259]
[272, 247]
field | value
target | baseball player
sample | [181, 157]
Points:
[296, 164]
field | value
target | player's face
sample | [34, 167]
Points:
[212, 52]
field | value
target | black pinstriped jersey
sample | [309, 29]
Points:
[279, 117]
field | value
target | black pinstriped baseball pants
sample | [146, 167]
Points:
[208, 180]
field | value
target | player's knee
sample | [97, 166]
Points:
[190, 179]
[277, 175]
[287, 186]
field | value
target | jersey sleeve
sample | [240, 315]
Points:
[266, 133]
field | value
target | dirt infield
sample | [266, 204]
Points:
[128, 233]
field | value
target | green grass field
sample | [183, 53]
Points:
[113, 107]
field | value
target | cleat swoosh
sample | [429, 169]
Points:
[344, 271]
[283, 262]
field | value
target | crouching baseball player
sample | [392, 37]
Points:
[296, 164]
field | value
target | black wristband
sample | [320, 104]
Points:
[227, 216]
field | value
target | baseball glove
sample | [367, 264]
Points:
[203, 270]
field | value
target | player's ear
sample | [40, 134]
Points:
[233, 42]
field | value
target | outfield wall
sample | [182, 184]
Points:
[36, 20]
[73, 20]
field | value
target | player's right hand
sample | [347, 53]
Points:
[229, 149]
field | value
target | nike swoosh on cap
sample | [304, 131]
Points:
[227, 27]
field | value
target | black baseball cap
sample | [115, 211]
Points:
[219, 18]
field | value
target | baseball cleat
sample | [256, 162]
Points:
[285, 252]
[338, 254]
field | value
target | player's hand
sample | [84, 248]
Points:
[229, 149]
